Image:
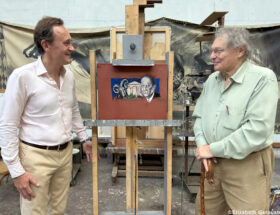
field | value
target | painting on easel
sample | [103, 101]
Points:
[132, 92]
[135, 88]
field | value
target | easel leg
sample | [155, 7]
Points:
[94, 171]
[131, 170]
[168, 170]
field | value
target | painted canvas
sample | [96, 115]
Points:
[132, 92]
[133, 88]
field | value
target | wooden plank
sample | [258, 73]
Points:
[142, 132]
[146, 151]
[141, 26]
[151, 143]
[169, 172]
[113, 44]
[156, 133]
[119, 51]
[143, 173]
[93, 83]
[154, 1]
[132, 19]
[135, 163]
[2, 90]
[128, 168]
[154, 45]
[213, 17]
[148, 39]
[140, 167]
[121, 132]
[94, 133]
[205, 37]
[170, 86]
[169, 136]
[167, 39]
[138, 2]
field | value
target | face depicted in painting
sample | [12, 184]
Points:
[148, 88]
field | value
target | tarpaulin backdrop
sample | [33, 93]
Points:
[191, 62]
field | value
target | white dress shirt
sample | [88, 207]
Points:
[44, 113]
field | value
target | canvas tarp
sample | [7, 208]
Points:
[191, 62]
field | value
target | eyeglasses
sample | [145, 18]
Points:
[218, 51]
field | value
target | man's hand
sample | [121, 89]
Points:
[22, 184]
[203, 152]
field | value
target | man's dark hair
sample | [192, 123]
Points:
[44, 31]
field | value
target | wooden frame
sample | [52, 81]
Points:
[159, 52]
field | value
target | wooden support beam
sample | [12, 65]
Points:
[209, 36]
[221, 21]
[168, 172]
[145, 6]
[129, 140]
[132, 20]
[135, 163]
[143, 2]
[152, 173]
[138, 2]
[94, 133]
[113, 45]
[170, 86]
[213, 17]
[131, 170]
[168, 148]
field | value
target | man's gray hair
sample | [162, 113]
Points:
[236, 37]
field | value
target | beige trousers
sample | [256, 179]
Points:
[52, 169]
[242, 186]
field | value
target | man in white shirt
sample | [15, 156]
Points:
[40, 100]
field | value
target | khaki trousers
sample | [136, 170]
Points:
[242, 186]
[52, 169]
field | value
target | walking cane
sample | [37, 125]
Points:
[202, 177]
[210, 179]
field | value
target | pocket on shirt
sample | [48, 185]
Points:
[233, 117]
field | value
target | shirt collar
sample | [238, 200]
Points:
[42, 69]
[240, 73]
[238, 76]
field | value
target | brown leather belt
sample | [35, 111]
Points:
[58, 147]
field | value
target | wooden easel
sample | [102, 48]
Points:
[156, 43]
[135, 20]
